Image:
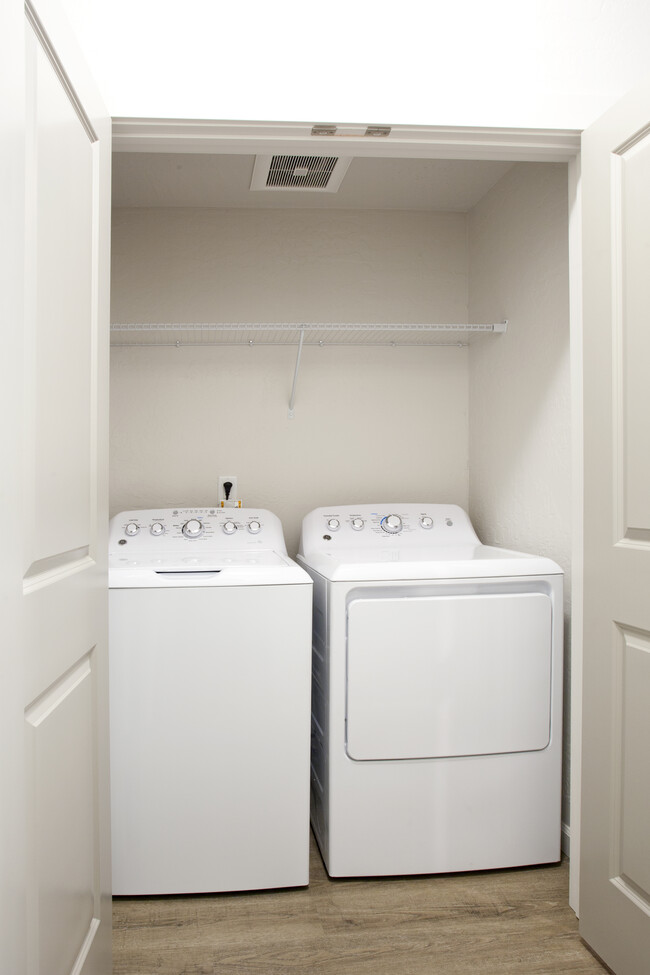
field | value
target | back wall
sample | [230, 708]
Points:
[371, 423]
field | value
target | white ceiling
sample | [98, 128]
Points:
[515, 63]
[202, 180]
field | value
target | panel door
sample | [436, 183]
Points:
[615, 857]
[64, 517]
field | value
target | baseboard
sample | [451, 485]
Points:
[565, 840]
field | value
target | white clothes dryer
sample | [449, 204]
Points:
[210, 633]
[436, 694]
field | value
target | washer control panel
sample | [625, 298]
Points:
[141, 534]
[370, 526]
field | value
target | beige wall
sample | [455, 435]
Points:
[371, 424]
[519, 383]
[206, 265]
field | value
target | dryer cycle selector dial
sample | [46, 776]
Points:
[192, 528]
[392, 524]
[229, 527]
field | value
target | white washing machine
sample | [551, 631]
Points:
[436, 694]
[210, 636]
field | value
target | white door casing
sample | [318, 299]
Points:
[615, 855]
[55, 766]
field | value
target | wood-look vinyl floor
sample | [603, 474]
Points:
[493, 923]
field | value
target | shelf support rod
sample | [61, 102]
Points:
[292, 398]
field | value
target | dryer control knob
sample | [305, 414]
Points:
[254, 527]
[229, 527]
[426, 521]
[357, 524]
[157, 528]
[192, 528]
[132, 528]
[333, 524]
[392, 524]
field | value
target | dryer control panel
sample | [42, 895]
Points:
[368, 526]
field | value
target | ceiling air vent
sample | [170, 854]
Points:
[320, 174]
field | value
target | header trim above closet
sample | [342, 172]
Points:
[412, 141]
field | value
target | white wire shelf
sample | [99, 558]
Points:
[199, 334]
[291, 333]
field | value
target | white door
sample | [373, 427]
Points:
[54, 419]
[615, 858]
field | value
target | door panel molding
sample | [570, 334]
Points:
[55, 695]
[64, 819]
[55, 568]
[637, 898]
[630, 213]
[86, 947]
[633, 141]
[39, 30]
[632, 717]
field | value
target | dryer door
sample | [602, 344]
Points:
[443, 676]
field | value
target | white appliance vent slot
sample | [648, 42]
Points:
[320, 174]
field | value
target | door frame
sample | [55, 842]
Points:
[432, 142]
[415, 142]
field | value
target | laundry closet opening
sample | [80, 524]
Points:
[478, 419]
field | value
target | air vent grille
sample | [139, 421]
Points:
[320, 174]
[306, 172]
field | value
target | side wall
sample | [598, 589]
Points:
[519, 386]
[371, 423]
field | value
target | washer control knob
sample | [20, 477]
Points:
[229, 527]
[192, 528]
[333, 524]
[254, 527]
[426, 521]
[132, 528]
[157, 528]
[357, 524]
[392, 524]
